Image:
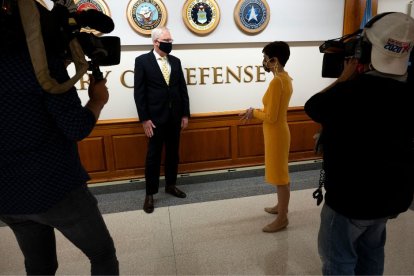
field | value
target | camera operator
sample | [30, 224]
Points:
[367, 119]
[42, 181]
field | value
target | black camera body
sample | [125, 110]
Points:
[353, 45]
[58, 28]
[101, 50]
[337, 50]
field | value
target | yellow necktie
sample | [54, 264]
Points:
[164, 70]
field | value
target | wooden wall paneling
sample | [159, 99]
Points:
[302, 136]
[233, 161]
[233, 141]
[302, 129]
[207, 144]
[129, 151]
[109, 149]
[106, 131]
[93, 154]
[116, 150]
[302, 141]
[250, 140]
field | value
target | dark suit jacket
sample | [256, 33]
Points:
[155, 100]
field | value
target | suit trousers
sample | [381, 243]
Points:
[78, 218]
[167, 135]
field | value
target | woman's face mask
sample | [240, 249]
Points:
[265, 64]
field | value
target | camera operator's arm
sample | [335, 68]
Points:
[74, 120]
[98, 96]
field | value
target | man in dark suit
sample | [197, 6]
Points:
[162, 102]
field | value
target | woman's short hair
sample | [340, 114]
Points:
[279, 50]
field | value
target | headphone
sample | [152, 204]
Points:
[363, 47]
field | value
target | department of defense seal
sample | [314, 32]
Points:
[201, 16]
[252, 16]
[146, 15]
[99, 5]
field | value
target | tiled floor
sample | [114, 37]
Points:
[217, 237]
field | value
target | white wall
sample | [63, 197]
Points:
[303, 24]
[296, 27]
[304, 67]
[393, 6]
[293, 20]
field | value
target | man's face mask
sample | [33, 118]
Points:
[166, 47]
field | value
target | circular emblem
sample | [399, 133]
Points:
[252, 16]
[201, 16]
[146, 15]
[99, 5]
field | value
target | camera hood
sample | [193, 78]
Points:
[337, 45]
[30, 17]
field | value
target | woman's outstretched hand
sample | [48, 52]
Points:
[247, 115]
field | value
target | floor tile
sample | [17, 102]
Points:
[225, 237]
[216, 238]
[11, 258]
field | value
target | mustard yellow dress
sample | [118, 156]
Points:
[275, 129]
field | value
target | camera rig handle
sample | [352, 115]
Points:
[30, 17]
[96, 71]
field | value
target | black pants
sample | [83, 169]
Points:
[78, 218]
[167, 134]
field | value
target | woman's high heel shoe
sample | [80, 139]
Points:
[271, 210]
[276, 226]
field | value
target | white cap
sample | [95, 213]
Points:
[392, 38]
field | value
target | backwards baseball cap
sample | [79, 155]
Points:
[392, 39]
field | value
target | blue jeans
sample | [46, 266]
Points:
[78, 218]
[349, 246]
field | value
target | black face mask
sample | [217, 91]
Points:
[166, 47]
[265, 67]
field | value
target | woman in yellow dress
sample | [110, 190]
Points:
[276, 130]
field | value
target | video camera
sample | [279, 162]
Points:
[336, 50]
[60, 31]
[102, 51]
[352, 45]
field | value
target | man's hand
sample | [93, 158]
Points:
[184, 122]
[98, 96]
[148, 128]
[350, 69]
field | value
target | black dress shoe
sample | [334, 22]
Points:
[149, 204]
[172, 190]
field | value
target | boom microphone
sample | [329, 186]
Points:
[95, 19]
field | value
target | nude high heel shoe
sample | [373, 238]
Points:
[271, 210]
[276, 226]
